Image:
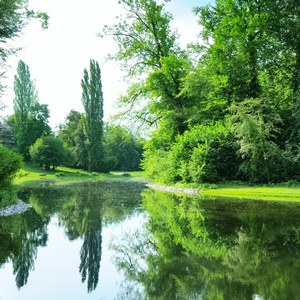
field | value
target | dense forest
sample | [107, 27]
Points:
[223, 109]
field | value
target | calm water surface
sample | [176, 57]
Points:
[119, 240]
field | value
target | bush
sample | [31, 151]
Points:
[126, 174]
[205, 153]
[11, 163]
[60, 174]
[108, 163]
[49, 151]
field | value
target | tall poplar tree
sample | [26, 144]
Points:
[92, 120]
[30, 117]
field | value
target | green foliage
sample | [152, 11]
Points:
[68, 131]
[249, 37]
[255, 124]
[10, 165]
[48, 151]
[127, 148]
[92, 119]
[202, 154]
[248, 72]
[143, 37]
[60, 174]
[30, 117]
[148, 46]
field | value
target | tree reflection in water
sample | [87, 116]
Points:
[199, 248]
[82, 211]
[84, 216]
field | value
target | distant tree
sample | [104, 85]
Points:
[68, 131]
[92, 119]
[10, 165]
[30, 117]
[48, 151]
[127, 148]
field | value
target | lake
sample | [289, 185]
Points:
[121, 240]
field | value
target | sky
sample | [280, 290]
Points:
[56, 57]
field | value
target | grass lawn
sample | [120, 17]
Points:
[30, 174]
[276, 192]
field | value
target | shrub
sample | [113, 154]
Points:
[60, 174]
[10, 164]
[48, 151]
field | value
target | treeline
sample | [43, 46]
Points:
[83, 141]
[14, 15]
[224, 109]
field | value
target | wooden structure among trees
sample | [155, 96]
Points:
[6, 136]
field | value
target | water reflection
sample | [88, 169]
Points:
[199, 248]
[189, 247]
[82, 210]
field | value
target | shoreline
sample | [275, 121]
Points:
[173, 189]
[15, 209]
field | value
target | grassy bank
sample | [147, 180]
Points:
[32, 174]
[289, 191]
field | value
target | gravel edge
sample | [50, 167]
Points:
[172, 189]
[15, 209]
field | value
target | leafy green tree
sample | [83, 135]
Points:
[48, 151]
[30, 117]
[10, 164]
[248, 37]
[255, 124]
[147, 48]
[92, 119]
[122, 144]
[68, 131]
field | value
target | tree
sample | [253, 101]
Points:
[48, 151]
[68, 130]
[92, 119]
[122, 144]
[10, 164]
[255, 125]
[30, 117]
[147, 48]
[247, 37]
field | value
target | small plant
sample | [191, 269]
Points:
[60, 174]
[22, 174]
[126, 174]
[213, 186]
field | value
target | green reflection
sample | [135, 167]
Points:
[200, 248]
[82, 210]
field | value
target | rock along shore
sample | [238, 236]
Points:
[172, 189]
[15, 209]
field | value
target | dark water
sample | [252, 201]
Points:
[118, 240]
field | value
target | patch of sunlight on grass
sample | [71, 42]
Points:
[264, 193]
